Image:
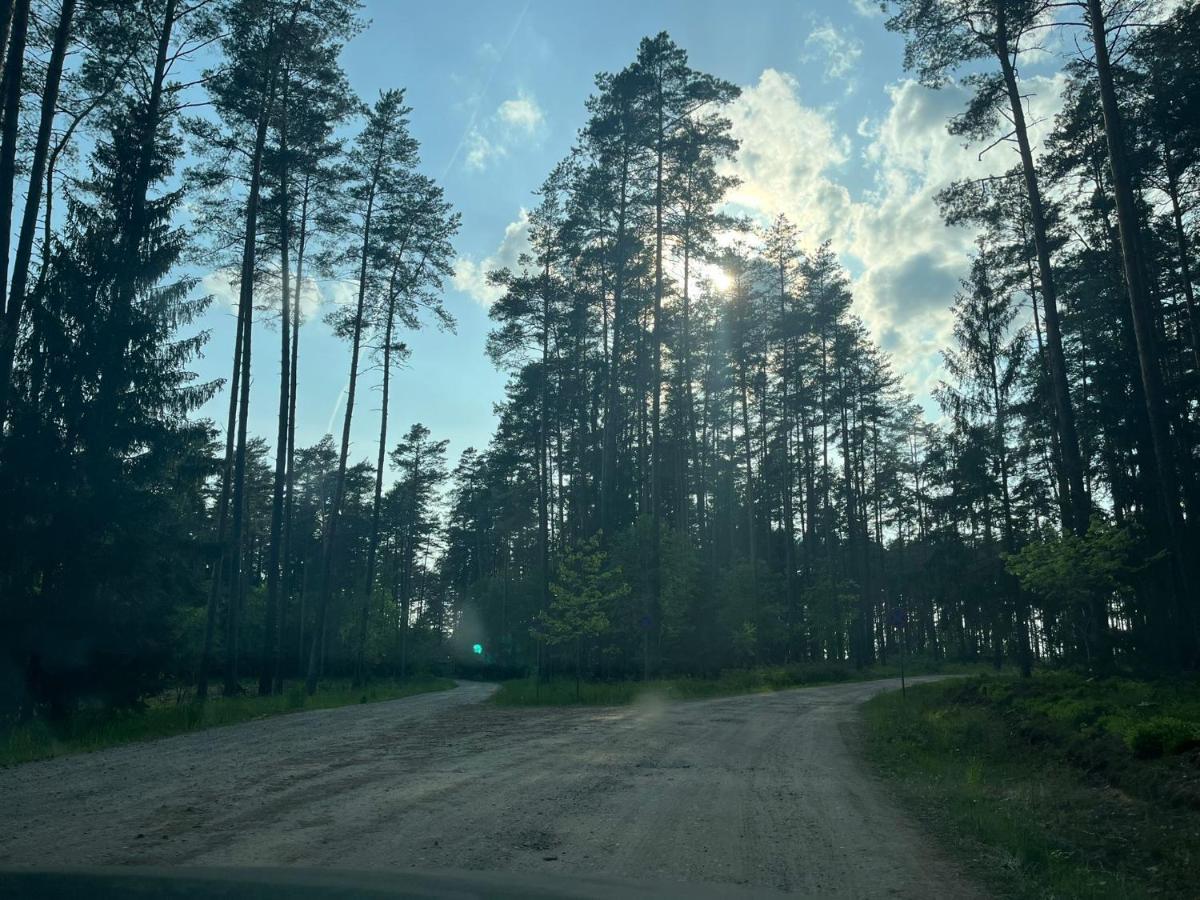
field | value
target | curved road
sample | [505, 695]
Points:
[761, 790]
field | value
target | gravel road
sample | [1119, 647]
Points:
[762, 790]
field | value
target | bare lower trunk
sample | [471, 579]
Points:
[271, 631]
[339, 493]
[218, 570]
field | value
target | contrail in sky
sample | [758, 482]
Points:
[336, 406]
[487, 85]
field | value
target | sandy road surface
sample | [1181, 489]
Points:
[760, 790]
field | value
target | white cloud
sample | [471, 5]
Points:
[517, 119]
[906, 261]
[838, 52]
[480, 150]
[787, 150]
[522, 113]
[470, 276]
[911, 262]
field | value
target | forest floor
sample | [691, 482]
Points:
[1056, 786]
[763, 790]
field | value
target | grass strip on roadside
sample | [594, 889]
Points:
[88, 730]
[1057, 786]
[763, 679]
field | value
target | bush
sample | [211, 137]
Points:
[1161, 736]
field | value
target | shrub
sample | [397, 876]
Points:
[1162, 735]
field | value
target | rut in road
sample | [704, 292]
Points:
[760, 790]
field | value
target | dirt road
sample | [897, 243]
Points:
[760, 790]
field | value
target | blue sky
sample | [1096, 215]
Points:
[834, 134]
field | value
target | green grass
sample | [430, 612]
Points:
[1056, 786]
[168, 715]
[561, 691]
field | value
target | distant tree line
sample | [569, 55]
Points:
[702, 461]
[697, 395]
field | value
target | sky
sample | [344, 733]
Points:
[834, 134]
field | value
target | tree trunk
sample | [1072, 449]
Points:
[377, 501]
[246, 315]
[271, 631]
[1185, 273]
[789, 513]
[218, 569]
[1078, 503]
[14, 69]
[656, 359]
[33, 201]
[285, 552]
[339, 491]
[1141, 307]
[612, 394]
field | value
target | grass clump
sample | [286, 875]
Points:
[1161, 736]
[1047, 787]
[94, 729]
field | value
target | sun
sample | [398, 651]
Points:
[720, 280]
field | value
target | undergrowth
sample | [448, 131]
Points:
[1056, 786]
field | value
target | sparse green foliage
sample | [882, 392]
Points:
[585, 590]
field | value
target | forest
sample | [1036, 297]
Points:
[703, 460]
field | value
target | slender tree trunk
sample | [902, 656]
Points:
[1012, 588]
[689, 400]
[612, 394]
[542, 449]
[14, 70]
[246, 315]
[285, 551]
[271, 631]
[6, 20]
[1141, 307]
[656, 381]
[1078, 503]
[219, 566]
[33, 201]
[789, 512]
[1185, 272]
[377, 500]
[339, 492]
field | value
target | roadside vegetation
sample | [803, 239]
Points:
[1057, 786]
[762, 679]
[179, 712]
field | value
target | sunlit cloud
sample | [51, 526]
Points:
[522, 113]
[788, 151]
[516, 121]
[906, 263]
[470, 275]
